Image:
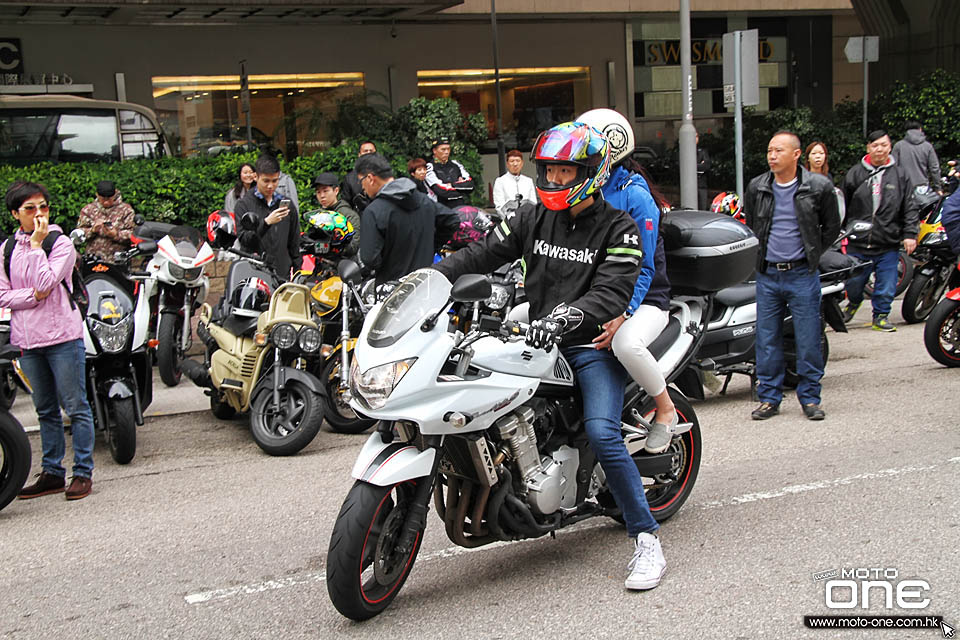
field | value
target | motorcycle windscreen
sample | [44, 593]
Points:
[187, 240]
[108, 303]
[419, 294]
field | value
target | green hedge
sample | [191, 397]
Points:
[186, 190]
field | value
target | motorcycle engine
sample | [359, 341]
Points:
[549, 480]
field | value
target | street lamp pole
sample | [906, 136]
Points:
[496, 82]
[688, 133]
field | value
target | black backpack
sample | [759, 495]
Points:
[79, 298]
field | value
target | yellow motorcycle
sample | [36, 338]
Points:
[259, 340]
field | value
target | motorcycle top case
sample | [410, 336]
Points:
[707, 251]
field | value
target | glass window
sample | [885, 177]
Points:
[204, 114]
[133, 121]
[533, 98]
[67, 135]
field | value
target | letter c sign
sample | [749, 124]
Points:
[11, 56]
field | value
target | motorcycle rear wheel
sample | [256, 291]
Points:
[365, 570]
[337, 412]
[941, 334]
[221, 409]
[791, 378]
[285, 430]
[15, 456]
[922, 296]
[121, 432]
[168, 348]
[8, 387]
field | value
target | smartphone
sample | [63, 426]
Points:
[285, 203]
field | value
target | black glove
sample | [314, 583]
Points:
[543, 333]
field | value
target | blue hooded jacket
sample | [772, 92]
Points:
[631, 193]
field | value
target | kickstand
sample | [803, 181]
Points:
[753, 387]
[726, 383]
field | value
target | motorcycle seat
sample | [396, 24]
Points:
[737, 295]
[666, 338]
[152, 230]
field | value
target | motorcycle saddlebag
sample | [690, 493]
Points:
[707, 251]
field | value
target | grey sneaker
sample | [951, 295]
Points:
[880, 323]
[660, 435]
[849, 311]
[648, 565]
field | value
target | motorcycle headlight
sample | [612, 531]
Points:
[176, 272]
[309, 340]
[498, 297]
[112, 337]
[375, 385]
[283, 335]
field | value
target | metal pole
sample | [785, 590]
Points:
[496, 81]
[688, 133]
[866, 80]
[738, 109]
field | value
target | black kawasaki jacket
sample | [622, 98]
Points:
[590, 262]
[815, 204]
[896, 217]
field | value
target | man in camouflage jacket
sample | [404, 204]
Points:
[107, 222]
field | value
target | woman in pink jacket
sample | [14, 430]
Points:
[48, 328]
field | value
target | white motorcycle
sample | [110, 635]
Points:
[178, 267]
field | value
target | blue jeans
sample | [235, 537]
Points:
[799, 291]
[58, 376]
[602, 380]
[885, 284]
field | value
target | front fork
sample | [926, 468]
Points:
[277, 382]
[416, 520]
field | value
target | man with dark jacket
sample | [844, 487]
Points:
[351, 191]
[447, 178]
[402, 227]
[917, 158]
[794, 214]
[878, 190]
[278, 228]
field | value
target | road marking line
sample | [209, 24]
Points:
[452, 552]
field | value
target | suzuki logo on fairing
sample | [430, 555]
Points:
[543, 248]
[745, 331]
[631, 239]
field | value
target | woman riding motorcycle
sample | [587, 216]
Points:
[648, 312]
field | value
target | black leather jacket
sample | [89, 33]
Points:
[817, 211]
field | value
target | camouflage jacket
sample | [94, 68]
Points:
[107, 230]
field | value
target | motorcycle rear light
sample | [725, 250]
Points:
[153, 344]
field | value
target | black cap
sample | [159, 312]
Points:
[326, 179]
[439, 141]
[106, 188]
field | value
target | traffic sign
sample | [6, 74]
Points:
[858, 46]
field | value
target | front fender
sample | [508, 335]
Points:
[385, 464]
[118, 389]
[286, 374]
[954, 294]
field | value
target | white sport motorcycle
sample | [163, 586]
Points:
[492, 428]
[178, 267]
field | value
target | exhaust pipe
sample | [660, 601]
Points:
[197, 373]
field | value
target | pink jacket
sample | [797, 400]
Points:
[39, 323]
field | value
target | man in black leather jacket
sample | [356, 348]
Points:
[350, 190]
[795, 215]
[447, 178]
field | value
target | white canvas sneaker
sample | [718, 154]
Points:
[648, 565]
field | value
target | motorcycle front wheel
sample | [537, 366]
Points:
[922, 296]
[169, 355]
[941, 334]
[14, 458]
[365, 569]
[336, 410]
[121, 431]
[285, 429]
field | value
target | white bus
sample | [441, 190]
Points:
[61, 128]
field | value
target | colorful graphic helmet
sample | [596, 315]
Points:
[576, 144]
[249, 297]
[221, 229]
[329, 226]
[729, 204]
[615, 128]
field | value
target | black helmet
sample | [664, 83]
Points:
[248, 299]
[221, 229]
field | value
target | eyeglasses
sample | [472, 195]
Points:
[32, 209]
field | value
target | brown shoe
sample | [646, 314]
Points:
[46, 484]
[80, 487]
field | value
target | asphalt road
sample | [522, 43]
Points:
[203, 536]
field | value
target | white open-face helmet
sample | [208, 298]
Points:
[615, 128]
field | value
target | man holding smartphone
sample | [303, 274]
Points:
[107, 222]
[278, 229]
